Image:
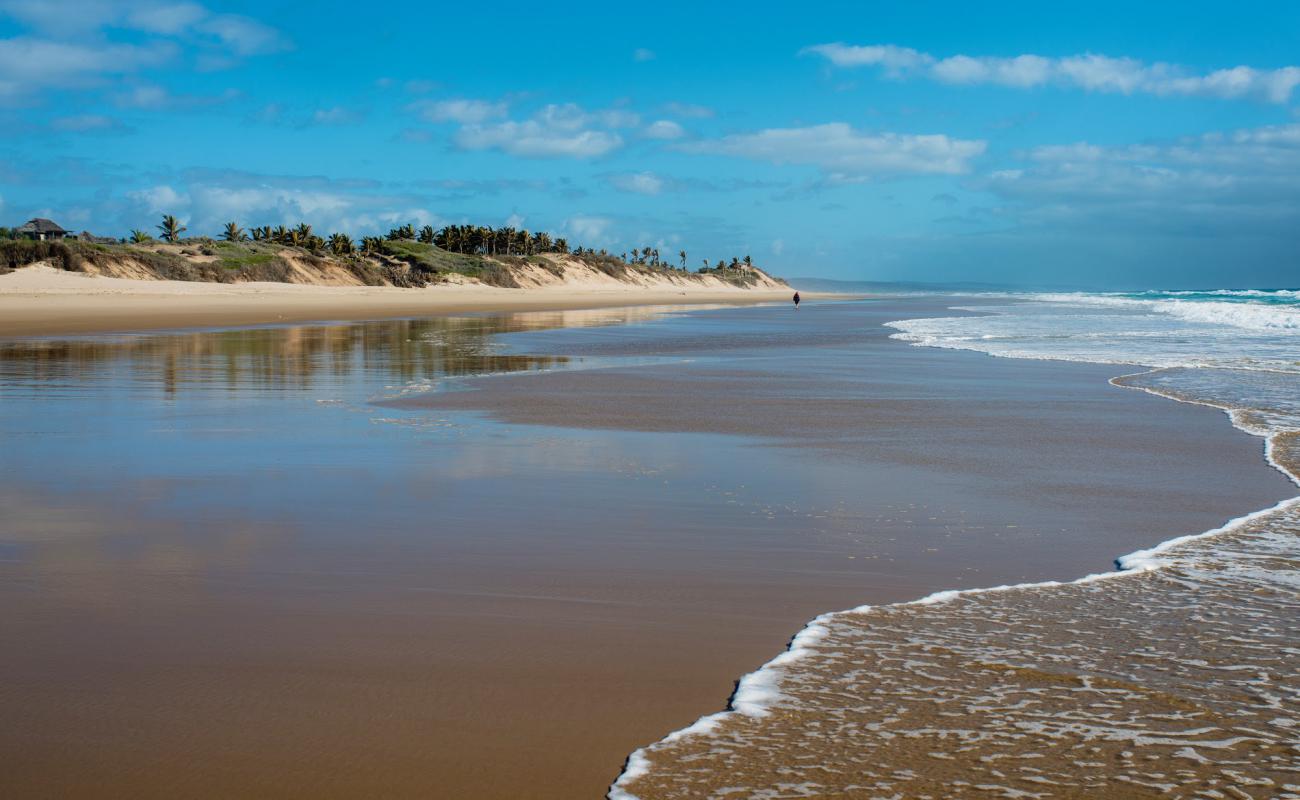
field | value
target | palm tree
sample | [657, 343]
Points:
[749, 262]
[304, 231]
[140, 237]
[171, 229]
[426, 234]
[340, 244]
[371, 245]
[234, 233]
[279, 235]
[682, 253]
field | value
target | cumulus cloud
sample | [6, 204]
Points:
[565, 131]
[637, 182]
[1231, 184]
[1089, 71]
[205, 199]
[160, 199]
[844, 154]
[466, 112]
[28, 66]
[589, 230]
[664, 129]
[244, 36]
[68, 48]
[166, 19]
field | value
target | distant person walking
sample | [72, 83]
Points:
[796, 301]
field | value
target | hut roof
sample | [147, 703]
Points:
[40, 225]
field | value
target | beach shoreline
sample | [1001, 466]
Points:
[400, 630]
[44, 301]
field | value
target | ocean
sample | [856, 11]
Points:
[1175, 675]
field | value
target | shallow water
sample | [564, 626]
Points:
[389, 558]
[1178, 677]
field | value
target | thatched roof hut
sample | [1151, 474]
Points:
[41, 229]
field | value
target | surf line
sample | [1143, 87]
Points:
[757, 692]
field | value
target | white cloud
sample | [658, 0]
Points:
[28, 66]
[846, 154]
[466, 112]
[891, 57]
[638, 182]
[244, 36]
[144, 96]
[778, 247]
[589, 230]
[1090, 72]
[73, 51]
[214, 204]
[664, 129]
[166, 19]
[381, 221]
[533, 140]
[1232, 184]
[159, 199]
[554, 131]
[514, 221]
[643, 54]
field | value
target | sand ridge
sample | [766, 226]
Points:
[40, 300]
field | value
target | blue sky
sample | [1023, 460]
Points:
[1107, 145]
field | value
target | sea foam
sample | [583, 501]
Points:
[1236, 364]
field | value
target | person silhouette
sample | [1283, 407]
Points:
[796, 301]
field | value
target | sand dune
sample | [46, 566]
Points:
[41, 300]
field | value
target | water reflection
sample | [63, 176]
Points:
[296, 357]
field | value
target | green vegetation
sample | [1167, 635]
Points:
[171, 229]
[428, 263]
[407, 256]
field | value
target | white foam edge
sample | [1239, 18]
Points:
[757, 692]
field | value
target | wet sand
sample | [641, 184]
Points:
[225, 572]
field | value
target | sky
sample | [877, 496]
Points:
[1097, 145]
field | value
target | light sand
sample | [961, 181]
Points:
[42, 301]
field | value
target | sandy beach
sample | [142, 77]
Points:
[311, 561]
[44, 301]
